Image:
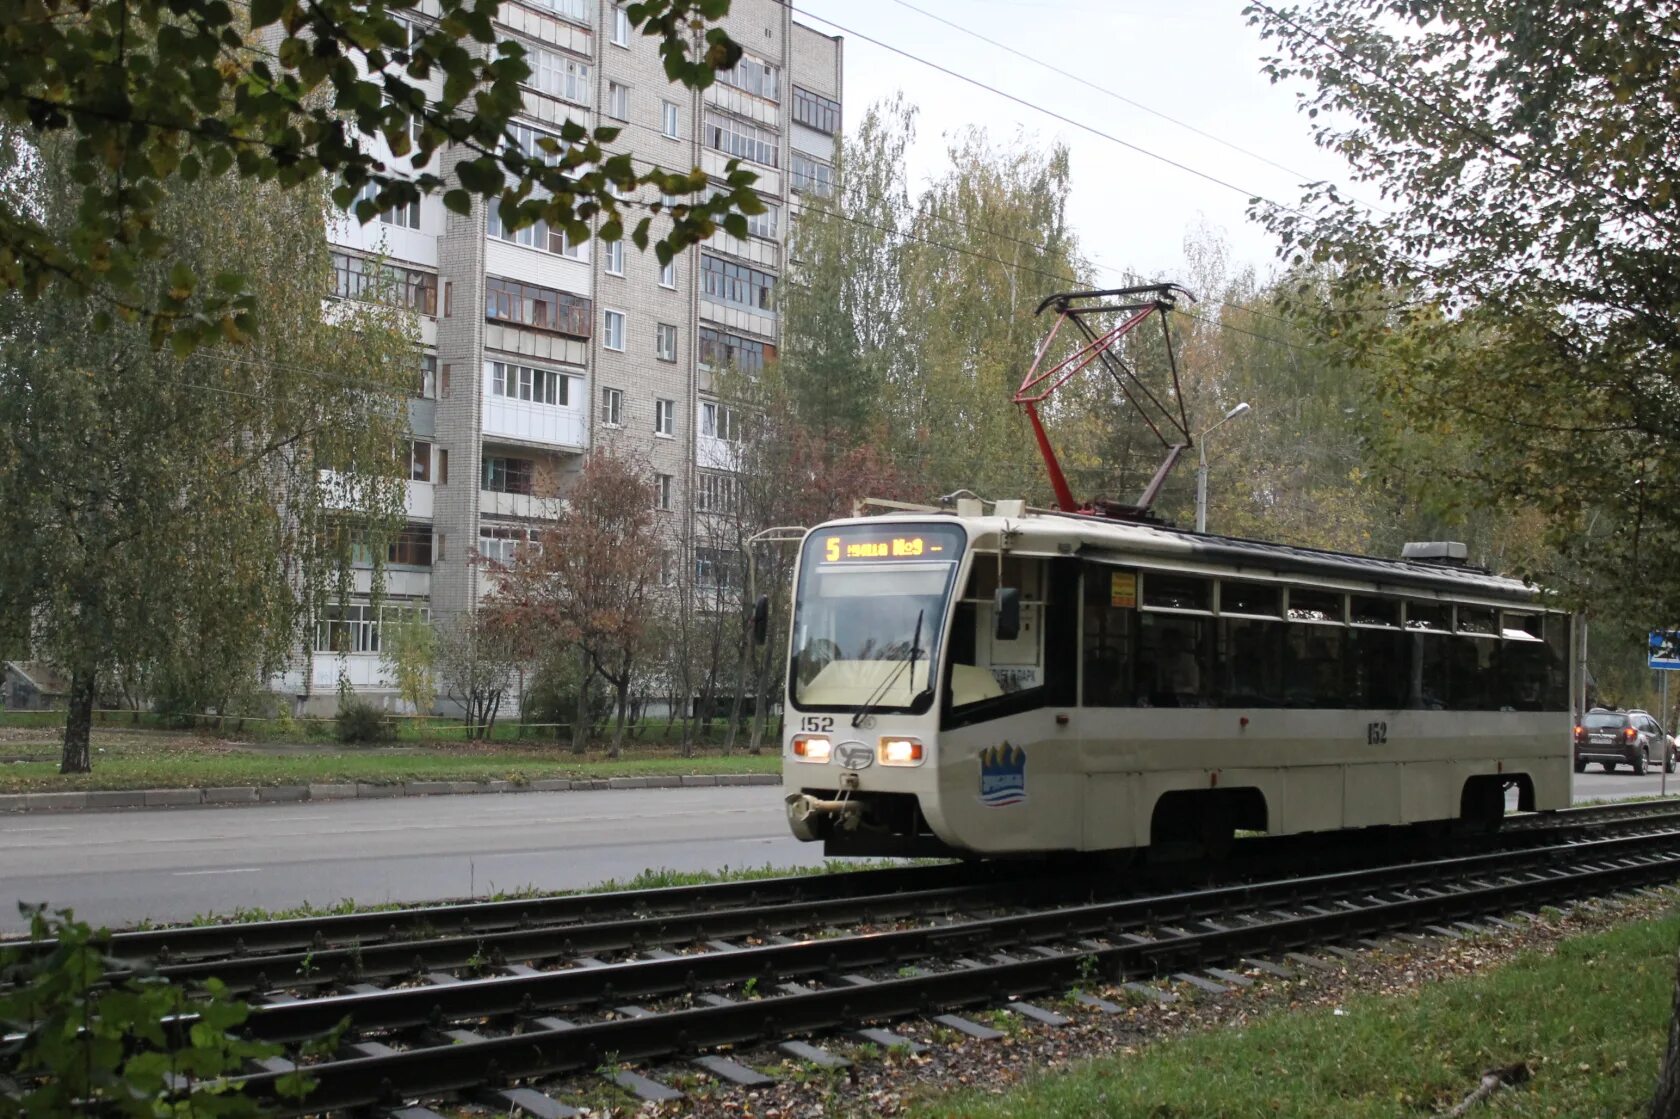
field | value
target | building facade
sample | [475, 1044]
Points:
[537, 349]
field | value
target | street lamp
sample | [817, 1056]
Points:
[1201, 468]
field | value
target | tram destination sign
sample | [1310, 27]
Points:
[841, 548]
[1665, 649]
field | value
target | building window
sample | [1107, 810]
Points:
[761, 225]
[735, 137]
[612, 330]
[559, 76]
[612, 407]
[405, 214]
[719, 421]
[419, 461]
[356, 277]
[348, 629]
[613, 253]
[665, 417]
[618, 101]
[503, 543]
[719, 349]
[578, 10]
[620, 27]
[670, 119]
[737, 284]
[665, 342]
[539, 386]
[507, 475]
[753, 76]
[668, 274]
[716, 493]
[717, 568]
[811, 175]
[530, 142]
[412, 547]
[813, 110]
[540, 307]
[662, 491]
[578, 251]
[428, 376]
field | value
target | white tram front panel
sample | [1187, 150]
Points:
[1152, 680]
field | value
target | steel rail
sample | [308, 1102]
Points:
[394, 956]
[439, 1070]
[586, 986]
[319, 968]
[196, 941]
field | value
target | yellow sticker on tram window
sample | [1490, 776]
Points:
[1122, 589]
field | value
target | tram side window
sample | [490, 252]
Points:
[1175, 661]
[1379, 668]
[1110, 628]
[1250, 663]
[1315, 665]
[989, 677]
[1475, 674]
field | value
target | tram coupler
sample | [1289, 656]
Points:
[812, 818]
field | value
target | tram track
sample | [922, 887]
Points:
[724, 972]
[510, 1027]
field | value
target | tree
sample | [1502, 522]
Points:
[476, 660]
[408, 647]
[158, 509]
[1516, 290]
[589, 580]
[150, 93]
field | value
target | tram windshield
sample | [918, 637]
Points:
[868, 615]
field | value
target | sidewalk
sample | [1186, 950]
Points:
[99, 800]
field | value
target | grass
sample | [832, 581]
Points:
[151, 759]
[1590, 1021]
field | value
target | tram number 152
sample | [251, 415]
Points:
[1376, 734]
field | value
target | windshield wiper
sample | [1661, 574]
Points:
[892, 678]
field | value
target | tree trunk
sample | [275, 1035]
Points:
[1666, 1103]
[78, 723]
[580, 717]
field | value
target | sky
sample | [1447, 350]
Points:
[1196, 61]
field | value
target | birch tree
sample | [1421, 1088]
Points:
[171, 511]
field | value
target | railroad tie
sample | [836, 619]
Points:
[1202, 982]
[964, 1026]
[1038, 1014]
[805, 1051]
[725, 1069]
[1276, 970]
[889, 1040]
[644, 1087]
[1235, 978]
[1150, 991]
[527, 1100]
[1096, 1003]
[414, 1113]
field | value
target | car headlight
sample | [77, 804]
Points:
[898, 750]
[812, 748]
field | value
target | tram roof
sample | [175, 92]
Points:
[1095, 536]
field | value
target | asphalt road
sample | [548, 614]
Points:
[118, 868]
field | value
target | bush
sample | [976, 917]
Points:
[359, 722]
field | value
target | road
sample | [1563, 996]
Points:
[119, 868]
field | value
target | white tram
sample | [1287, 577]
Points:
[1040, 682]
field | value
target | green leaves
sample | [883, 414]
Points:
[85, 1047]
[155, 90]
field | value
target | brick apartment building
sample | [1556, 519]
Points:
[537, 349]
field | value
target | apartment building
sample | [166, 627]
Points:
[537, 349]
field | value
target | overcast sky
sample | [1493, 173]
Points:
[1197, 61]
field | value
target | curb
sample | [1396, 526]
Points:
[98, 800]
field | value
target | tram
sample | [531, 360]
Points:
[1035, 681]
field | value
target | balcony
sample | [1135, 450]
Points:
[544, 425]
[522, 506]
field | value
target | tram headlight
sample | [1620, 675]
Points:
[897, 750]
[812, 748]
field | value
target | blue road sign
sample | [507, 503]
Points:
[1665, 648]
